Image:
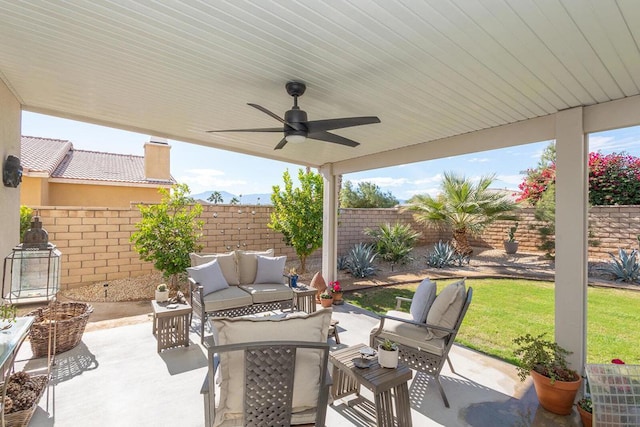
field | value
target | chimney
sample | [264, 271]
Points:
[157, 159]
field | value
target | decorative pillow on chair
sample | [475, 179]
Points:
[446, 308]
[227, 262]
[270, 269]
[422, 300]
[210, 276]
[248, 264]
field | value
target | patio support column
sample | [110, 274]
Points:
[329, 223]
[571, 235]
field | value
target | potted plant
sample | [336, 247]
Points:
[555, 383]
[162, 293]
[511, 244]
[388, 354]
[336, 291]
[585, 409]
[326, 299]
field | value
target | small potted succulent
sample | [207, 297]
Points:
[388, 354]
[511, 244]
[326, 299]
[555, 383]
[162, 293]
[336, 291]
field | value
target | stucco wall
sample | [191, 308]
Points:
[64, 194]
[95, 241]
[10, 123]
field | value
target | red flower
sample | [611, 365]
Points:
[617, 362]
[335, 286]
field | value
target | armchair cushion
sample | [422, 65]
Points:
[312, 327]
[210, 276]
[227, 262]
[446, 308]
[270, 269]
[408, 334]
[268, 293]
[422, 300]
[248, 265]
[231, 297]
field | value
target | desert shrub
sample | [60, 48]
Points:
[394, 243]
[360, 260]
[342, 262]
[624, 267]
[442, 255]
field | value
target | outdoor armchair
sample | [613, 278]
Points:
[424, 345]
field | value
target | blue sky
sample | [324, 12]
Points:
[205, 169]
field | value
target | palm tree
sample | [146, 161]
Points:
[462, 206]
[215, 197]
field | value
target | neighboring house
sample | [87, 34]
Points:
[56, 174]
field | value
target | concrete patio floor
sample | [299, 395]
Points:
[115, 377]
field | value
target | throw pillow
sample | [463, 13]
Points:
[422, 300]
[446, 308]
[248, 264]
[227, 262]
[270, 269]
[208, 275]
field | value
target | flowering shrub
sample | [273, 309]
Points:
[335, 287]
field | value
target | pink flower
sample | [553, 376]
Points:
[617, 362]
[335, 286]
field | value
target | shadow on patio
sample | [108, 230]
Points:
[116, 377]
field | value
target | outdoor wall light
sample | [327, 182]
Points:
[12, 172]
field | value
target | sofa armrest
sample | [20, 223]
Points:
[400, 300]
[196, 291]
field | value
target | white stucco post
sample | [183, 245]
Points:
[571, 235]
[10, 122]
[329, 223]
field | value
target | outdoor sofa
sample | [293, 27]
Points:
[237, 283]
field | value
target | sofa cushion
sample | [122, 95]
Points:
[231, 297]
[410, 335]
[248, 264]
[227, 261]
[446, 308]
[422, 300]
[311, 328]
[270, 269]
[268, 292]
[208, 275]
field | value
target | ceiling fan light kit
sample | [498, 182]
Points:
[297, 129]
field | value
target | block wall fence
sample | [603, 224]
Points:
[95, 242]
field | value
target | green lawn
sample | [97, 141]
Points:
[503, 309]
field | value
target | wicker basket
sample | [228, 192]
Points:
[22, 418]
[69, 318]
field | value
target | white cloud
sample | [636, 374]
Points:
[479, 160]
[432, 191]
[608, 144]
[385, 181]
[200, 180]
[510, 179]
[428, 180]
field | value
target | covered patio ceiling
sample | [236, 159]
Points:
[429, 69]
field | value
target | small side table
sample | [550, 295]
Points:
[304, 298]
[389, 386]
[171, 325]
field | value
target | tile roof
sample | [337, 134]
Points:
[84, 165]
[42, 154]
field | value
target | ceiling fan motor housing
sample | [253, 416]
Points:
[295, 117]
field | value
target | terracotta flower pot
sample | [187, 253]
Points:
[337, 298]
[586, 417]
[326, 302]
[556, 397]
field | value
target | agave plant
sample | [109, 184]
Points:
[342, 262]
[442, 255]
[360, 260]
[394, 243]
[624, 267]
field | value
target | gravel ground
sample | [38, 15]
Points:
[142, 288]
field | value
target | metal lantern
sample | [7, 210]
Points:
[31, 272]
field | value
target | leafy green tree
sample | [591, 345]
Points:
[26, 215]
[168, 232]
[297, 213]
[367, 195]
[215, 197]
[464, 207]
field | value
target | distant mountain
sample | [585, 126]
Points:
[245, 199]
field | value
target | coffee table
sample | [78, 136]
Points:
[171, 325]
[389, 386]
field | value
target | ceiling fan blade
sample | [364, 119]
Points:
[331, 137]
[249, 130]
[264, 110]
[281, 144]
[329, 124]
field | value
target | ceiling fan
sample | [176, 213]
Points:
[297, 128]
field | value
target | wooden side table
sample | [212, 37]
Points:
[304, 298]
[389, 386]
[171, 325]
